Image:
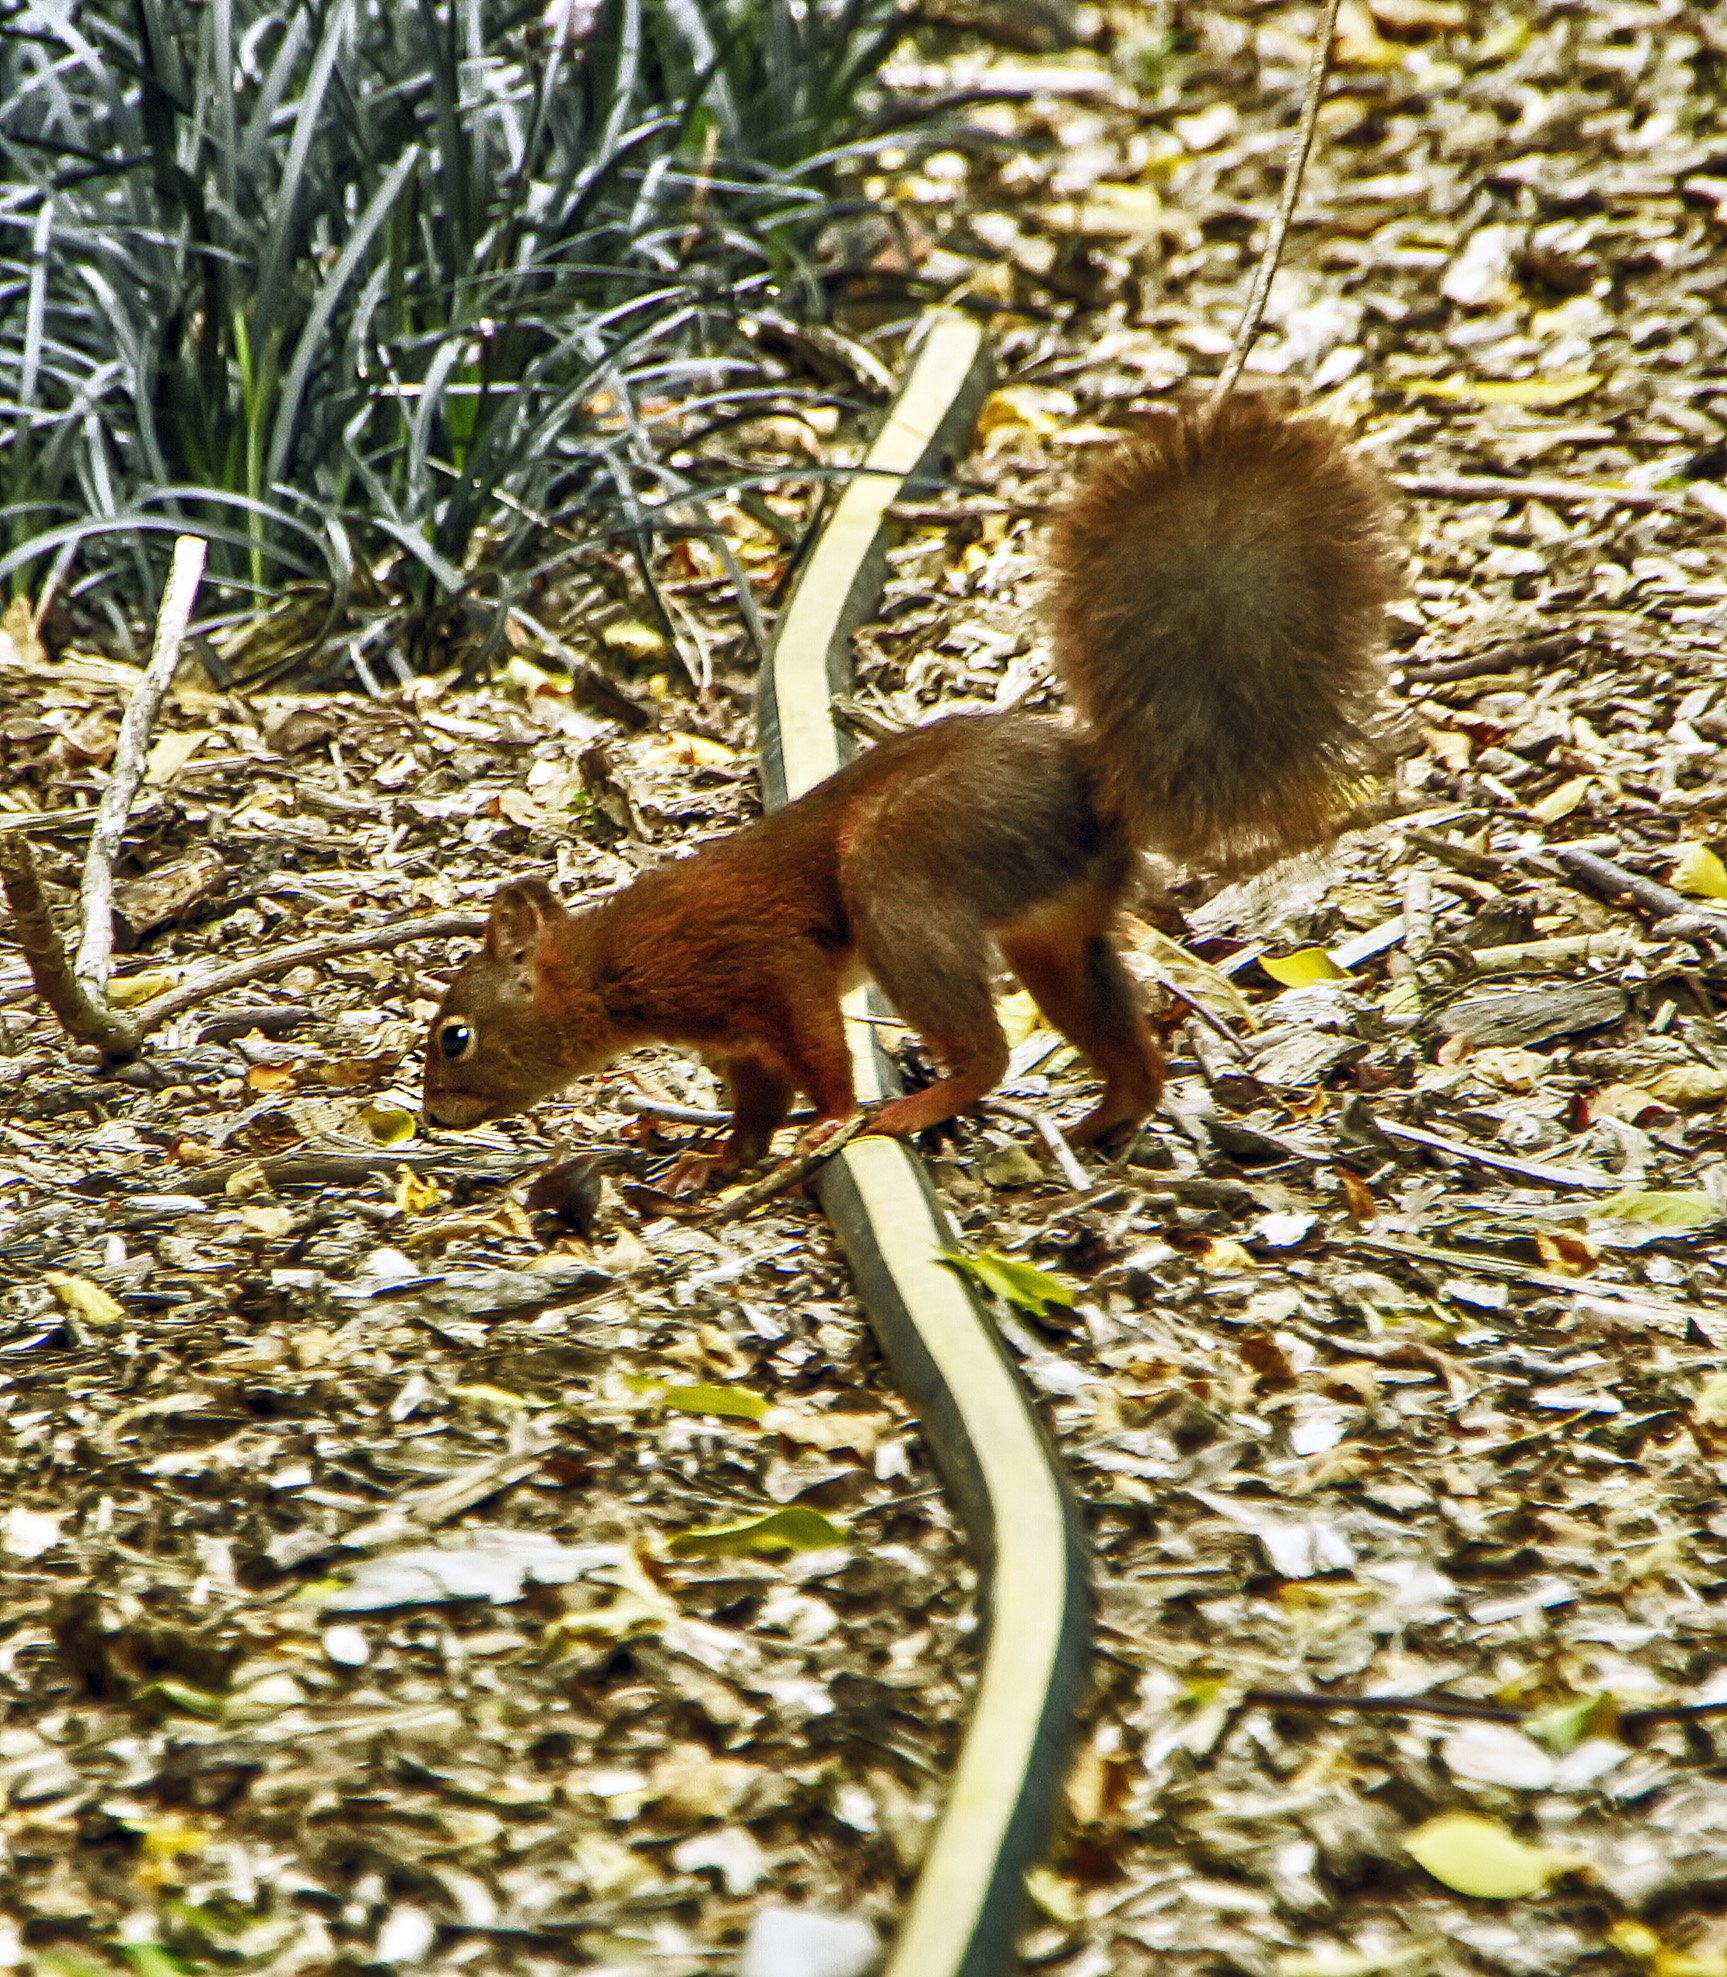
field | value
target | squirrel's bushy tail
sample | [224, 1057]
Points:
[1219, 592]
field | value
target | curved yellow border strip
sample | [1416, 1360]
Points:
[982, 1433]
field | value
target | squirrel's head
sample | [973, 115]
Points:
[510, 1031]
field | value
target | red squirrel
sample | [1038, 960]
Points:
[1219, 585]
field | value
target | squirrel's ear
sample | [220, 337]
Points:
[519, 917]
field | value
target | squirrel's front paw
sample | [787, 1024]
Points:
[692, 1172]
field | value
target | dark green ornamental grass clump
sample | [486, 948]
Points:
[401, 303]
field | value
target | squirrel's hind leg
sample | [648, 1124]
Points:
[932, 962]
[1077, 979]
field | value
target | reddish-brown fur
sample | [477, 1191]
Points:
[1219, 593]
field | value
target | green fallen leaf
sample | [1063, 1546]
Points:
[68, 1960]
[1022, 1284]
[155, 1960]
[1303, 968]
[1564, 1726]
[1475, 1856]
[737, 1403]
[1677, 1208]
[1403, 998]
[167, 1694]
[796, 1528]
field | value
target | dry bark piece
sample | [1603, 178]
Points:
[1514, 1017]
[165, 894]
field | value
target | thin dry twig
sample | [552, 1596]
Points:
[95, 957]
[326, 947]
[1535, 956]
[1614, 883]
[89, 1021]
[30, 820]
[1510, 487]
[796, 1168]
[1547, 1172]
[1628, 1722]
[1294, 171]
[322, 1169]
[86, 1018]
[1499, 659]
[1464, 1706]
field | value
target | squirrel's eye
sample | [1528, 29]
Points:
[455, 1040]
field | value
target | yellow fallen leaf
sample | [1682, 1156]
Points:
[1562, 801]
[1056, 1895]
[1303, 968]
[631, 639]
[1507, 36]
[416, 1193]
[1225, 1253]
[1661, 1208]
[690, 1783]
[269, 1078]
[1481, 1857]
[1448, 747]
[1022, 1284]
[127, 991]
[1710, 1405]
[606, 1623]
[1634, 1939]
[1034, 408]
[1020, 1018]
[170, 755]
[1700, 873]
[389, 1125]
[1403, 998]
[497, 1401]
[522, 676]
[1359, 44]
[83, 1299]
[1686, 1085]
[690, 751]
[1534, 393]
[1118, 210]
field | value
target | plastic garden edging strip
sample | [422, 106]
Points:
[988, 1445]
